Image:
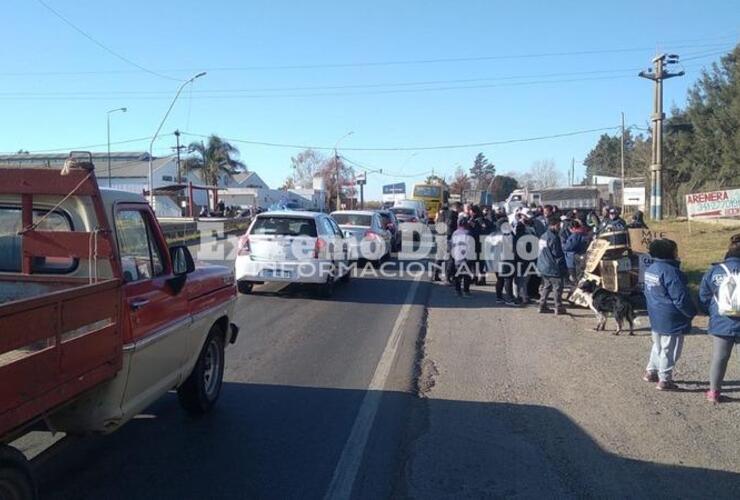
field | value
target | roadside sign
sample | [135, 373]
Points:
[398, 188]
[713, 204]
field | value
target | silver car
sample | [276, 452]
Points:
[367, 236]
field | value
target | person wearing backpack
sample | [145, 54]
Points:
[670, 309]
[719, 296]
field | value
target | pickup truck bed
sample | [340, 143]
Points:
[58, 341]
[18, 289]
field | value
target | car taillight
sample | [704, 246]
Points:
[370, 234]
[318, 247]
[243, 247]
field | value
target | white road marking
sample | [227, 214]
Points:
[348, 465]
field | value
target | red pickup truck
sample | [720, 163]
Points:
[98, 316]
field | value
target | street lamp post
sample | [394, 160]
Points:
[154, 138]
[336, 163]
[108, 122]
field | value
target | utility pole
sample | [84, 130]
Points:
[154, 137]
[621, 160]
[657, 74]
[178, 148]
[336, 165]
[572, 172]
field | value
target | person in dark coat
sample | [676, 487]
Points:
[670, 309]
[551, 266]
[638, 221]
[722, 283]
[525, 264]
[576, 244]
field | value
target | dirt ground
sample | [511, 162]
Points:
[519, 404]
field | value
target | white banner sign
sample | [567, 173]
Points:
[713, 204]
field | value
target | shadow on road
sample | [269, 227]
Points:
[270, 441]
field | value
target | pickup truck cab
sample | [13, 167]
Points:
[98, 316]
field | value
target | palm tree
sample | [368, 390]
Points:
[213, 158]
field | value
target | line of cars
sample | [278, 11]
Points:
[315, 248]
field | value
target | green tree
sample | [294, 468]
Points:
[435, 179]
[213, 158]
[502, 187]
[482, 172]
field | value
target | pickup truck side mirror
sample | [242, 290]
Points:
[182, 264]
[182, 260]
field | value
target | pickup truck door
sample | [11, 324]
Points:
[158, 318]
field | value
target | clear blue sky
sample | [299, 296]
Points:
[56, 85]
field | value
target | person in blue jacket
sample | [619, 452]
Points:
[670, 309]
[551, 266]
[576, 244]
[723, 327]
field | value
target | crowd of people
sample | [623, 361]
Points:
[562, 237]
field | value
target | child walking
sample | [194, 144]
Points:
[670, 309]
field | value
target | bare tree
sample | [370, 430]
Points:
[306, 165]
[460, 181]
[541, 175]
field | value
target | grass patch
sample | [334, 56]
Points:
[707, 243]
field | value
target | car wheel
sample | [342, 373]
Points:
[201, 389]
[244, 287]
[346, 277]
[326, 290]
[16, 480]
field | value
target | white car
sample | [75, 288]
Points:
[367, 236]
[292, 247]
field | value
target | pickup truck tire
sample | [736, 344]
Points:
[201, 389]
[16, 480]
[244, 287]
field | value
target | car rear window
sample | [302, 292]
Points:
[353, 219]
[284, 226]
[10, 242]
[403, 211]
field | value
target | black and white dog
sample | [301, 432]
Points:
[603, 302]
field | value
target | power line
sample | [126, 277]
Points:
[86, 147]
[629, 71]
[100, 44]
[410, 148]
[373, 89]
[406, 62]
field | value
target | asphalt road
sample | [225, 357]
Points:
[295, 419]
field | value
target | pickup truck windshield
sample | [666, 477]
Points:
[284, 226]
[10, 242]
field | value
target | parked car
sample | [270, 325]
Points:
[406, 214]
[392, 224]
[292, 247]
[416, 204]
[99, 318]
[365, 230]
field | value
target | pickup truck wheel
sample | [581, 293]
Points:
[202, 388]
[244, 287]
[16, 480]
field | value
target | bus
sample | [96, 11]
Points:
[433, 196]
